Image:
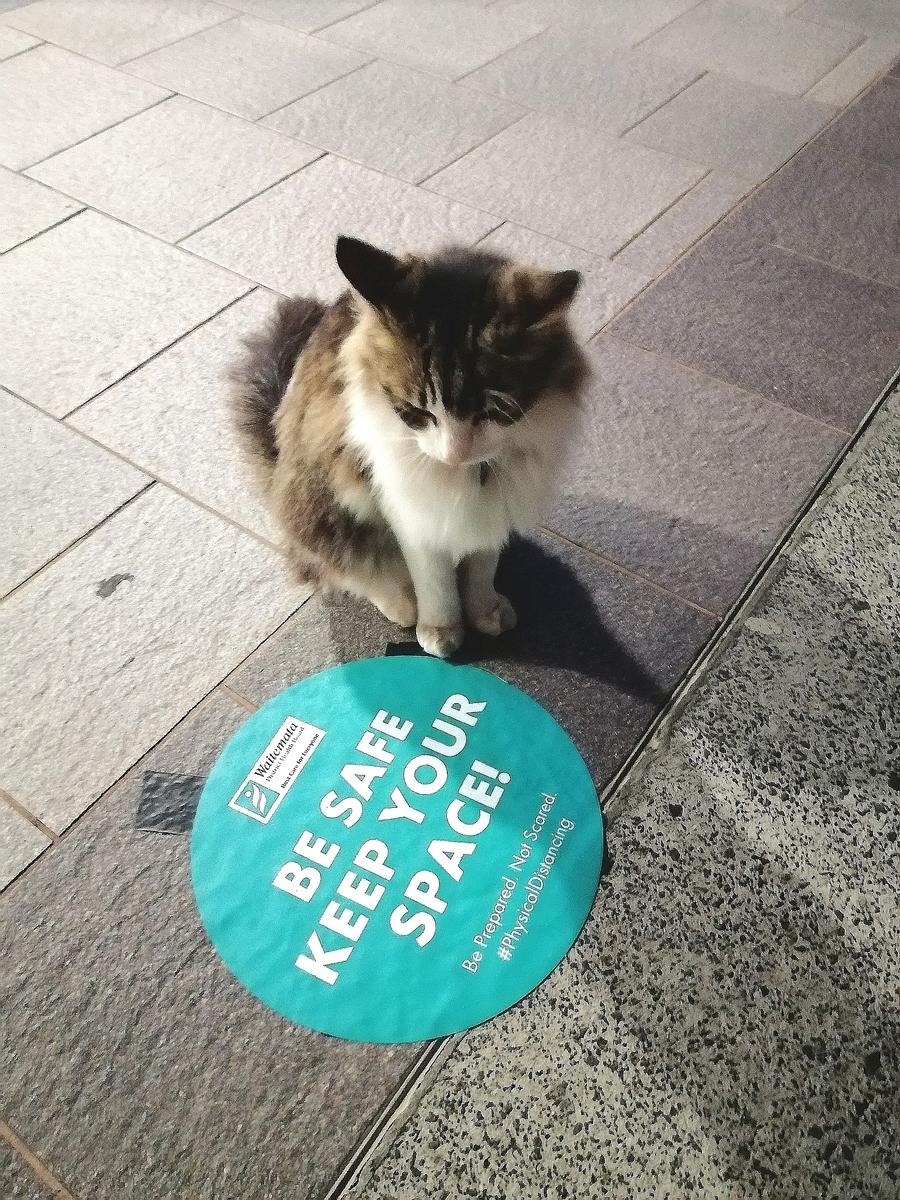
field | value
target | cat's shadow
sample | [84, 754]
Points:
[559, 627]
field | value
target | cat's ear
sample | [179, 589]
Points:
[373, 273]
[536, 296]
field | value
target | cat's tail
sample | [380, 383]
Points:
[261, 375]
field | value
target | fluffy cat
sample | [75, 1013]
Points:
[405, 431]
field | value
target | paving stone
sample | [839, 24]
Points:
[54, 487]
[12, 41]
[110, 646]
[51, 99]
[598, 650]
[683, 478]
[175, 167]
[853, 223]
[446, 37]
[17, 1180]
[869, 128]
[746, 129]
[306, 15]
[798, 331]
[20, 844]
[878, 17]
[113, 32]
[751, 44]
[726, 1025]
[849, 77]
[618, 24]
[396, 120]
[27, 208]
[277, 65]
[188, 1071]
[681, 225]
[171, 417]
[327, 198]
[606, 287]
[583, 77]
[91, 299]
[603, 190]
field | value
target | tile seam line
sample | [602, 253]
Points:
[668, 100]
[263, 117]
[29, 816]
[98, 62]
[758, 397]
[356, 1160]
[132, 767]
[484, 141]
[671, 21]
[19, 53]
[251, 288]
[644, 580]
[732, 621]
[658, 216]
[229, 690]
[75, 543]
[54, 225]
[227, 20]
[509, 50]
[21, 170]
[870, 279]
[150, 475]
[863, 38]
[58, 1189]
[275, 182]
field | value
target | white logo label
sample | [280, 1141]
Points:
[276, 769]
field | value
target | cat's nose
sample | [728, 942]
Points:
[458, 449]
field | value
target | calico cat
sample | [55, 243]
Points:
[405, 431]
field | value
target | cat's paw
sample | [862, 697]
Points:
[400, 609]
[440, 640]
[497, 617]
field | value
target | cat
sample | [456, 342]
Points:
[405, 431]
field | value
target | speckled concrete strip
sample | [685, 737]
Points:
[727, 1026]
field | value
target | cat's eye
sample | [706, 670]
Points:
[416, 418]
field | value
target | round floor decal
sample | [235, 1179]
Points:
[396, 849]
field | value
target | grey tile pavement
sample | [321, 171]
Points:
[869, 128]
[726, 1026]
[111, 32]
[203, 1091]
[596, 192]
[90, 300]
[877, 17]
[13, 41]
[849, 77]
[603, 671]
[447, 37]
[399, 121]
[112, 644]
[853, 222]
[277, 65]
[749, 43]
[676, 229]
[329, 197]
[683, 478]
[606, 287]
[51, 98]
[306, 15]
[585, 78]
[27, 208]
[171, 417]
[20, 844]
[741, 127]
[54, 487]
[175, 167]
[725, 309]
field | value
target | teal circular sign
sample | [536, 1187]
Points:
[396, 849]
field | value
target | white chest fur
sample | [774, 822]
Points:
[449, 508]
